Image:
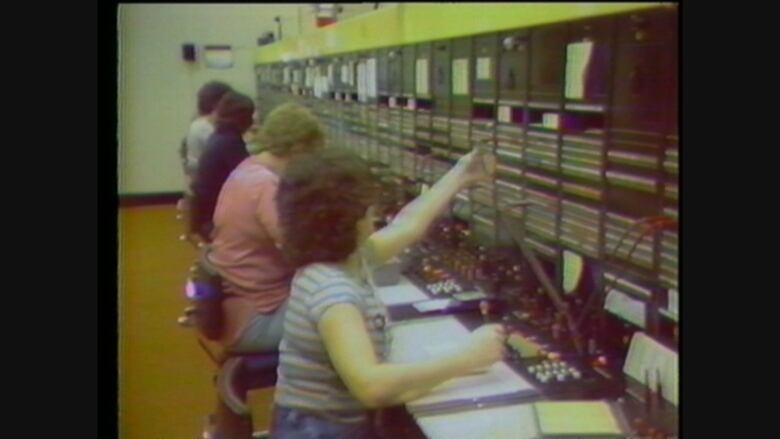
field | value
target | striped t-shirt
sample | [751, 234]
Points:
[307, 379]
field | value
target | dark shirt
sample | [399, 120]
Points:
[224, 150]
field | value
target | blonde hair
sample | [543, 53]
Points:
[290, 125]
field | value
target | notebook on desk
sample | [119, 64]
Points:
[541, 420]
[577, 419]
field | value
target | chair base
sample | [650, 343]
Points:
[225, 424]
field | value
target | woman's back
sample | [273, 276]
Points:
[307, 379]
[244, 242]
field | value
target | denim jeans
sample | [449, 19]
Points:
[290, 423]
[263, 333]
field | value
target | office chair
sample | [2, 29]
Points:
[237, 373]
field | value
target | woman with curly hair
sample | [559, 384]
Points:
[332, 366]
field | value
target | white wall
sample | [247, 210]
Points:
[157, 88]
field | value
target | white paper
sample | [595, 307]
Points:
[421, 82]
[421, 340]
[433, 305]
[551, 120]
[344, 74]
[504, 113]
[442, 349]
[626, 307]
[460, 77]
[674, 300]
[506, 422]
[499, 379]
[483, 68]
[372, 81]
[403, 292]
[577, 58]
[408, 346]
[360, 81]
[647, 355]
[320, 86]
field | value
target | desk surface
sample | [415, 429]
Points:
[443, 336]
[416, 337]
[506, 422]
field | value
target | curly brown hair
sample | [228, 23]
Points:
[321, 198]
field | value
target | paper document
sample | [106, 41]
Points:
[460, 77]
[577, 59]
[422, 340]
[403, 292]
[507, 422]
[422, 77]
[433, 305]
[499, 379]
[575, 418]
[626, 307]
[483, 68]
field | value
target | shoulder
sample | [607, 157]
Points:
[318, 282]
[200, 125]
[251, 171]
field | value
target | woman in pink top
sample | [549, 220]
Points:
[246, 237]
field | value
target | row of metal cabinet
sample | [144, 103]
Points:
[582, 117]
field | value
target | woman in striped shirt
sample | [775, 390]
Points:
[333, 353]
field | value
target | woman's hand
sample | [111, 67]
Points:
[477, 166]
[485, 346]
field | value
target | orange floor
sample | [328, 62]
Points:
[165, 387]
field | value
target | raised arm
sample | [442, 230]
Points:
[413, 220]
